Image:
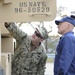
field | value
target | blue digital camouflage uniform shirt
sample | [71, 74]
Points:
[26, 61]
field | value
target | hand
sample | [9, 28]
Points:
[7, 24]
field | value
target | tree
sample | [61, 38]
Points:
[60, 10]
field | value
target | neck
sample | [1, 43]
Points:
[35, 44]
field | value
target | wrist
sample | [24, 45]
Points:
[7, 24]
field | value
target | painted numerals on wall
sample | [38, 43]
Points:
[32, 7]
[38, 9]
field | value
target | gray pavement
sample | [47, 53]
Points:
[49, 69]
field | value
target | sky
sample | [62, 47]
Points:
[69, 4]
[28, 28]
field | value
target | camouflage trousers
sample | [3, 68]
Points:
[24, 73]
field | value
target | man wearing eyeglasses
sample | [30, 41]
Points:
[30, 56]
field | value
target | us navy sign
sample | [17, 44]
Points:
[27, 10]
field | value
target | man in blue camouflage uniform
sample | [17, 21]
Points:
[30, 56]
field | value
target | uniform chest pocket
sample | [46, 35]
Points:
[36, 57]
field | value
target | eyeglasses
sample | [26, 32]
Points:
[38, 35]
